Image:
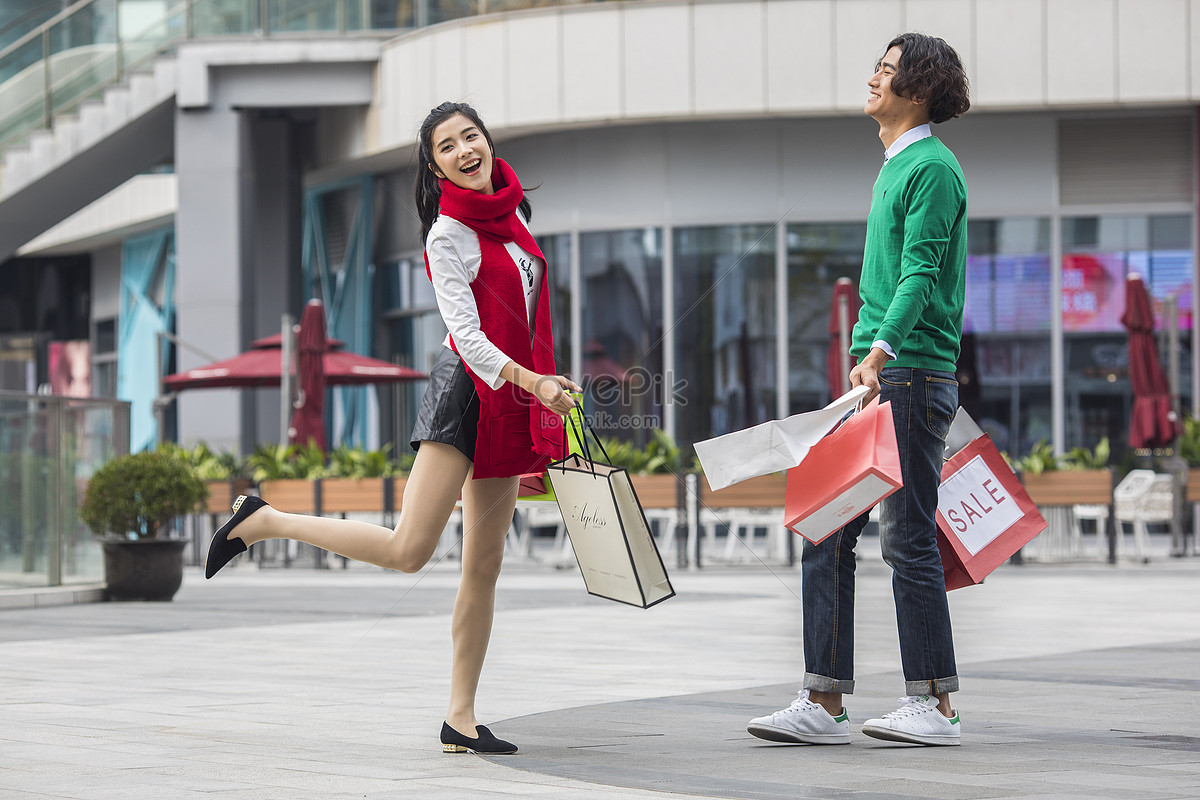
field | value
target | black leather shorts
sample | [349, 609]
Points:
[449, 410]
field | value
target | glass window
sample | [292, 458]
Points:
[412, 335]
[557, 250]
[1004, 367]
[724, 329]
[817, 256]
[622, 301]
[1008, 276]
[1098, 253]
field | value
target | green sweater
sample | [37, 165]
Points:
[914, 265]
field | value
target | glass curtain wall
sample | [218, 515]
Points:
[1098, 253]
[413, 333]
[726, 331]
[621, 297]
[725, 335]
[1004, 370]
[817, 256]
[557, 250]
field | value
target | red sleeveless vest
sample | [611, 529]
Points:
[517, 434]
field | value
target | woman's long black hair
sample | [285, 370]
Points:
[427, 189]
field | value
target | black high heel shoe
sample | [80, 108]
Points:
[221, 549]
[485, 744]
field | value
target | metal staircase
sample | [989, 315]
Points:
[105, 141]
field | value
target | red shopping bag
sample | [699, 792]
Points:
[844, 474]
[533, 484]
[984, 514]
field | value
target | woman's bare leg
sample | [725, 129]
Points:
[432, 490]
[487, 513]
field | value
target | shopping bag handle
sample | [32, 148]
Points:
[582, 436]
[858, 408]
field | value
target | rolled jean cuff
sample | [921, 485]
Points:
[934, 687]
[823, 683]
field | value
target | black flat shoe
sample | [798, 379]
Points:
[485, 744]
[222, 550]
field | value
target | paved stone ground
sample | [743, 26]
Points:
[1079, 681]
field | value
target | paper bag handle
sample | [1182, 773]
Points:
[581, 436]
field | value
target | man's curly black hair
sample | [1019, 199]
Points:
[931, 70]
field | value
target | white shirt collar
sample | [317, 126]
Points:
[905, 139]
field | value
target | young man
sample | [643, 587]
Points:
[906, 342]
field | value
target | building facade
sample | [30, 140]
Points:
[703, 173]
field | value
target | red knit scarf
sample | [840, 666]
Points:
[517, 434]
[493, 215]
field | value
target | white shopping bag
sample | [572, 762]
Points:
[610, 536]
[609, 533]
[772, 446]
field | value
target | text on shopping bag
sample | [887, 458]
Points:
[976, 505]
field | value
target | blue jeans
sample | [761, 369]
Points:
[923, 405]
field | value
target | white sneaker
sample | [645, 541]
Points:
[803, 722]
[917, 721]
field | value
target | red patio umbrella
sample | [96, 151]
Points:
[262, 365]
[308, 421]
[842, 316]
[1153, 423]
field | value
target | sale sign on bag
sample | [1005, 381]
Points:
[984, 514]
[844, 474]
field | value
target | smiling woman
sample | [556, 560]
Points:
[490, 413]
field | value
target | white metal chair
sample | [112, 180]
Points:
[740, 542]
[1142, 497]
[1098, 514]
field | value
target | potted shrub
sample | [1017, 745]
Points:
[222, 473]
[655, 470]
[285, 475]
[128, 503]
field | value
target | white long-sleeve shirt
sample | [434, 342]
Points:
[454, 260]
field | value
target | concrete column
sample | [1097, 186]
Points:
[238, 228]
[276, 195]
[212, 228]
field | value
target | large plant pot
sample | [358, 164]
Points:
[765, 491]
[294, 495]
[1193, 486]
[221, 494]
[146, 569]
[343, 495]
[1069, 487]
[655, 491]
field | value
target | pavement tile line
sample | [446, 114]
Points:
[262, 686]
[701, 747]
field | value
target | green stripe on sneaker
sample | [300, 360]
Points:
[845, 716]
